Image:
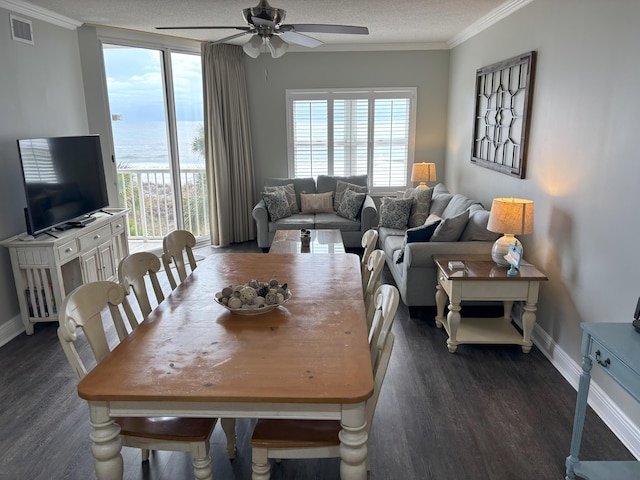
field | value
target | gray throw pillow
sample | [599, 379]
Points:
[450, 229]
[394, 212]
[351, 204]
[341, 187]
[420, 208]
[290, 193]
[277, 204]
[476, 228]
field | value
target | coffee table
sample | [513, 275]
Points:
[481, 279]
[322, 241]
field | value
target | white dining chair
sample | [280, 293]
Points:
[369, 242]
[284, 439]
[387, 298]
[175, 245]
[375, 264]
[135, 271]
[82, 310]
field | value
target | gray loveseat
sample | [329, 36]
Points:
[415, 275]
[352, 230]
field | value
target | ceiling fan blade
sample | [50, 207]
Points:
[300, 39]
[209, 27]
[324, 28]
[226, 39]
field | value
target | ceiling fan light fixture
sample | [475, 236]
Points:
[277, 46]
[253, 46]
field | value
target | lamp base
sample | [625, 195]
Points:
[501, 248]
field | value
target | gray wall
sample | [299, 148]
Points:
[268, 78]
[41, 94]
[583, 166]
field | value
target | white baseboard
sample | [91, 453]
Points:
[10, 330]
[626, 431]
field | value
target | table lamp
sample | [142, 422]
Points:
[423, 172]
[509, 216]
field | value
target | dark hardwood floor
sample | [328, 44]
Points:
[485, 412]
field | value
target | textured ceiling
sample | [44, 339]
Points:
[392, 23]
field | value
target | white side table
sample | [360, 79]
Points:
[482, 280]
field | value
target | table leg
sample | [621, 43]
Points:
[578, 420]
[353, 443]
[453, 321]
[528, 322]
[106, 443]
[441, 299]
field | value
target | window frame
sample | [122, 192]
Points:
[370, 94]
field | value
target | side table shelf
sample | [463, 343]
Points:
[46, 269]
[615, 348]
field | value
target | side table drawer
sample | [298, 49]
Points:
[117, 227]
[67, 250]
[615, 368]
[95, 238]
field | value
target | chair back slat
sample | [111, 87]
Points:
[379, 375]
[387, 299]
[375, 265]
[369, 242]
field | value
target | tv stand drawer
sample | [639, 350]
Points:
[67, 250]
[95, 238]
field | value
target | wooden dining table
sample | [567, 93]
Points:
[308, 358]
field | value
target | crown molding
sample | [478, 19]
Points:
[39, 13]
[488, 20]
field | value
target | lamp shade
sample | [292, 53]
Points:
[511, 215]
[277, 46]
[423, 172]
[252, 47]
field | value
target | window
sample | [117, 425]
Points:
[352, 132]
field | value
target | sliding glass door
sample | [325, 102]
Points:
[155, 102]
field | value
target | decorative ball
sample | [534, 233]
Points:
[247, 294]
[259, 301]
[235, 302]
[271, 298]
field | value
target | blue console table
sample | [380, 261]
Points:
[615, 348]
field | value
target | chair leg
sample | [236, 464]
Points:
[202, 468]
[229, 428]
[145, 455]
[260, 468]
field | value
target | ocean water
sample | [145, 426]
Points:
[144, 145]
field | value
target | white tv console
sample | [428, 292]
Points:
[46, 269]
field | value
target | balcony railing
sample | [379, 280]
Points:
[149, 194]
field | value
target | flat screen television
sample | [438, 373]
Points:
[64, 180]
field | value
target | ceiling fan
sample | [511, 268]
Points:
[264, 22]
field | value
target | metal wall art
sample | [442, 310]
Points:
[503, 104]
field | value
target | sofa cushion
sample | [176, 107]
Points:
[341, 187]
[333, 220]
[420, 208]
[316, 202]
[451, 228]
[277, 204]
[384, 233]
[294, 222]
[329, 183]
[290, 193]
[439, 202]
[476, 229]
[394, 212]
[351, 204]
[458, 204]
[307, 185]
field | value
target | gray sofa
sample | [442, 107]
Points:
[415, 276]
[352, 230]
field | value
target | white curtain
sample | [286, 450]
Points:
[227, 137]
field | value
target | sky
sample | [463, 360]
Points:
[135, 84]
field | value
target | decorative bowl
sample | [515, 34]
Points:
[255, 309]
